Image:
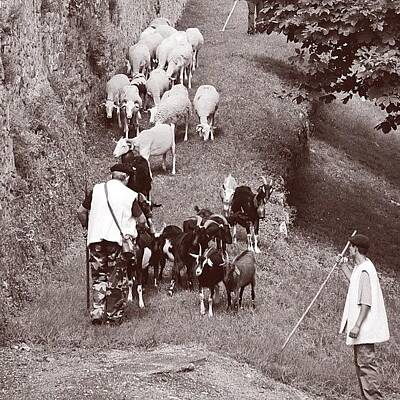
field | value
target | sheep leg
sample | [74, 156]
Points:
[186, 127]
[181, 75]
[253, 294]
[234, 238]
[190, 77]
[173, 172]
[194, 61]
[119, 119]
[137, 123]
[164, 161]
[210, 302]
[202, 307]
[212, 126]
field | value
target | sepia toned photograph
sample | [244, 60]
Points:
[200, 199]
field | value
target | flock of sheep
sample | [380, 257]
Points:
[160, 68]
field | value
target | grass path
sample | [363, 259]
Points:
[255, 128]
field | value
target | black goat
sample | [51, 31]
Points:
[209, 272]
[140, 180]
[185, 245]
[252, 207]
[161, 250]
[217, 228]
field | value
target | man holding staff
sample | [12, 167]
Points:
[364, 317]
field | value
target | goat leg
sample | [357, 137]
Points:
[210, 302]
[253, 294]
[202, 307]
[241, 297]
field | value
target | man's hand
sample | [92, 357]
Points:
[354, 332]
[341, 260]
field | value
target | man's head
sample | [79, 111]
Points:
[121, 172]
[361, 242]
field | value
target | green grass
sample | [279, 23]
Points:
[254, 128]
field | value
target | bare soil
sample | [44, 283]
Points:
[166, 372]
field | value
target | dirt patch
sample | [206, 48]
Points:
[166, 372]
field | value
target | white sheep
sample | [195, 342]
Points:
[167, 45]
[205, 103]
[148, 31]
[138, 59]
[165, 30]
[130, 104]
[113, 88]
[160, 21]
[180, 63]
[152, 41]
[174, 107]
[156, 85]
[195, 38]
[155, 141]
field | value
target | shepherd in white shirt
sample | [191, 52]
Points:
[364, 316]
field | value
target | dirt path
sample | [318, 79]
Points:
[167, 372]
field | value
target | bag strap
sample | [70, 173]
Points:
[112, 212]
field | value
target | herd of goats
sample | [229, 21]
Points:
[160, 68]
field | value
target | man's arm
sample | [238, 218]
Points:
[83, 215]
[137, 213]
[83, 210]
[364, 301]
[346, 269]
[361, 317]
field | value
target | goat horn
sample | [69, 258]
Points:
[199, 219]
[264, 180]
[209, 222]
[220, 216]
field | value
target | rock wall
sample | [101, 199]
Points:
[55, 57]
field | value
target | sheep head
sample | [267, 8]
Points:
[203, 130]
[122, 147]
[110, 105]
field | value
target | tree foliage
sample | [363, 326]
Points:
[349, 46]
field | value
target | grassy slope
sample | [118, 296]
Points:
[353, 175]
[254, 127]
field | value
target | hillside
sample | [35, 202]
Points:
[257, 134]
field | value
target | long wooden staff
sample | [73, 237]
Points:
[318, 293]
[229, 16]
[87, 262]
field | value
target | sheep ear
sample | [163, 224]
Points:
[209, 262]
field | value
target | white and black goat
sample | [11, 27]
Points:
[210, 272]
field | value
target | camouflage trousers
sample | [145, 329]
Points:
[254, 6]
[109, 282]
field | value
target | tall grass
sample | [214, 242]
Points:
[254, 127]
